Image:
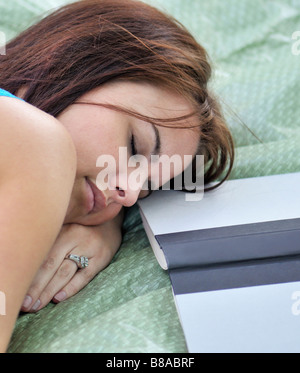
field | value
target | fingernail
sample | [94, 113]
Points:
[27, 301]
[60, 296]
[36, 305]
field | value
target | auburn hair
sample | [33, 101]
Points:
[88, 43]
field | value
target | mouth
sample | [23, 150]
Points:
[96, 198]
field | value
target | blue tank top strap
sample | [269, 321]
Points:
[7, 94]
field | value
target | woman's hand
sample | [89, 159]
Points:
[59, 278]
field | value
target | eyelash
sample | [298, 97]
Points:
[133, 148]
[134, 152]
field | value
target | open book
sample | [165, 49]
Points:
[234, 260]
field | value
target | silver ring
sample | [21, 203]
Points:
[81, 261]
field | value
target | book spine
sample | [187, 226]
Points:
[216, 246]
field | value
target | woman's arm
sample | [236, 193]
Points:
[58, 278]
[37, 169]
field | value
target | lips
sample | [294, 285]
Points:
[96, 199]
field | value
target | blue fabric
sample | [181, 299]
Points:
[7, 94]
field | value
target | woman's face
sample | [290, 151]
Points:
[99, 131]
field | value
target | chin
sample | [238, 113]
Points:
[109, 213]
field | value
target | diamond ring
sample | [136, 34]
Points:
[81, 261]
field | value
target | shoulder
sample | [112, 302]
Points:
[32, 136]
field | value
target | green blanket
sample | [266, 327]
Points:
[129, 306]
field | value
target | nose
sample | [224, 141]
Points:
[127, 189]
[126, 198]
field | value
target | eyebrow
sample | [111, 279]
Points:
[157, 146]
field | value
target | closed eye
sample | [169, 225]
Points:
[133, 146]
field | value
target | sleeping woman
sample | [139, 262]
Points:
[91, 78]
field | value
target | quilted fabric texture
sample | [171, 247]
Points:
[129, 307]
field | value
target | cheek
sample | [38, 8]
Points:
[82, 127]
[114, 209]
[164, 170]
[91, 143]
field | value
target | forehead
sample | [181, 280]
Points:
[139, 91]
[155, 102]
[142, 97]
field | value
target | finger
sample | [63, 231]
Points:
[61, 277]
[42, 278]
[55, 257]
[85, 275]
[81, 278]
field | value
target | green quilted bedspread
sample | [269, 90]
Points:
[129, 306]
